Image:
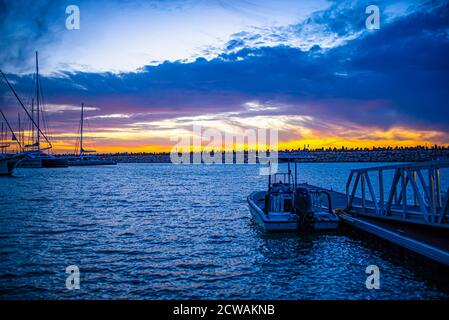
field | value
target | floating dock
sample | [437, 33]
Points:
[410, 211]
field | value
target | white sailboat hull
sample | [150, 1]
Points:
[43, 160]
[9, 163]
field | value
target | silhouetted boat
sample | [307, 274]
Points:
[8, 162]
[287, 207]
[86, 157]
[40, 159]
[36, 157]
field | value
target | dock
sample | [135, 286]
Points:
[411, 210]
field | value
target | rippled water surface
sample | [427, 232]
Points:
[162, 231]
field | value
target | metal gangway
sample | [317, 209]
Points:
[410, 192]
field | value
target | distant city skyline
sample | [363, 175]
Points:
[148, 71]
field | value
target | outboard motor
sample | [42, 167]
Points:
[309, 206]
[303, 201]
[303, 207]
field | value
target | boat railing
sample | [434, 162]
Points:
[318, 203]
[411, 192]
[314, 198]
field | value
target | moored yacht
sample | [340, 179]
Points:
[88, 160]
[39, 159]
[86, 157]
[286, 206]
[36, 156]
[8, 162]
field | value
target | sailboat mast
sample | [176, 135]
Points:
[37, 103]
[1, 142]
[32, 127]
[81, 129]
[20, 127]
[24, 108]
[14, 136]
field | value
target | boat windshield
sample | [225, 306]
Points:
[281, 182]
[281, 178]
[287, 181]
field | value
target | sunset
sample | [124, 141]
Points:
[224, 159]
[320, 82]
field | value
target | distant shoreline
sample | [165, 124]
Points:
[316, 156]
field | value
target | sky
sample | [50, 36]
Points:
[148, 71]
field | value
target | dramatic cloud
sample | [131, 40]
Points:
[323, 80]
[118, 36]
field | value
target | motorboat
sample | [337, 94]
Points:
[287, 206]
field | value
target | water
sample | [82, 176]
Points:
[162, 231]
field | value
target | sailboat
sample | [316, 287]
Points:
[86, 157]
[8, 162]
[37, 158]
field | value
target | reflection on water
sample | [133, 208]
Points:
[161, 231]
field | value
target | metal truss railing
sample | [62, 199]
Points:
[415, 193]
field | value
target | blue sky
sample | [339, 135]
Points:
[308, 68]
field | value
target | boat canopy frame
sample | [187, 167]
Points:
[291, 174]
